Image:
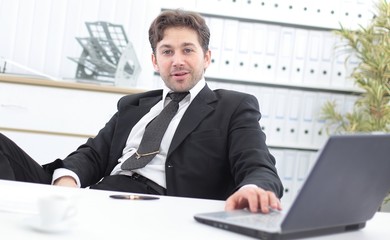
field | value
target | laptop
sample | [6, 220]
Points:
[343, 190]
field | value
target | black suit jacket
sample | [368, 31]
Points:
[217, 147]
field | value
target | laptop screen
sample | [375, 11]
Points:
[346, 185]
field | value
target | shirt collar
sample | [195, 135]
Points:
[193, 91]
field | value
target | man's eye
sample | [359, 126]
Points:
[167, 52]
[187, 50]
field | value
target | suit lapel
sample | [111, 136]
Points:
[199, 108]
[133, 112]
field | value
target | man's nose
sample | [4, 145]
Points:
[178, 60]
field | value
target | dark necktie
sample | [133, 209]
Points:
[154, 132]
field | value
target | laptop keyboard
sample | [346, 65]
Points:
[272, 219]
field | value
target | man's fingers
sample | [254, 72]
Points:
[255, 199]
[230, 204]
[275, 202]
[235, 202]
[263, 201]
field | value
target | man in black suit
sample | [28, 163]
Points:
[213, 148]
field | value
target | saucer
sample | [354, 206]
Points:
[34, 223]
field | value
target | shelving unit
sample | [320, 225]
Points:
[50, 119]
[260, 47]
[283, 53]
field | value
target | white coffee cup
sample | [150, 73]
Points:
[55, 209]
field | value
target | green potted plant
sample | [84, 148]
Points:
[371, 46]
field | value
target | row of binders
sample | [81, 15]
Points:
[277, 54]
[291, 117]
[327, 14]
[293, 166]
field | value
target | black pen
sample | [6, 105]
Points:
[134, 197]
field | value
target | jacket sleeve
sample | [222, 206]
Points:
[94, 159]
[91, 159]
[250, 160]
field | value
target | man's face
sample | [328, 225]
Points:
[180, 59]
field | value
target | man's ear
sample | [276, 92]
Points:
[207, 59]
[154, 62]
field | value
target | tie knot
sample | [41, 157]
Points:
[177, 96]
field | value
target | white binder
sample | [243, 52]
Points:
[271, 51]
[303, 168]
[229, 47]
[306, 124]
[299, 56]
[257, 53]
[216, 29]
[244, 47]
[313, 58]
[293, 116]
[285, 53]
[352, 63]
[338, 70]
[288, 175]
[278, 155]
[320, 131]
[266, 98]
[327, 55]
[280, 104]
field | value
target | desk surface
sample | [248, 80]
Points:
[100, 217]
[36, 81]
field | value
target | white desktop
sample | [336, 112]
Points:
[100, 217]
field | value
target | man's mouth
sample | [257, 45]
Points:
[178, 74]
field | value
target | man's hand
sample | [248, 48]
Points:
[65, 181]
[254, 198]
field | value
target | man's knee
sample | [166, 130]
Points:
[6, 171]
[16, 164]
[5, 142]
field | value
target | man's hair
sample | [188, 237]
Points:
[179, 18]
